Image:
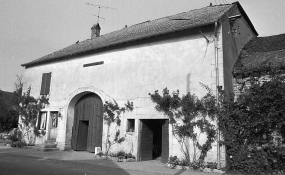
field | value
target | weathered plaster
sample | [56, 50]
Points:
[131, 74]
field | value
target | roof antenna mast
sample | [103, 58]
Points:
[99, 7]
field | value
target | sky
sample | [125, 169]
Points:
[30, 29]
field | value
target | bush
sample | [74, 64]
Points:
[172, 159]
[211, 165]
[251, 119]
[175, 161]
[19, 144]
[121, 154]
[258, 160]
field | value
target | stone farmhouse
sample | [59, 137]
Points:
[178, 52]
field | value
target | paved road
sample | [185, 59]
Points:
[23, 165]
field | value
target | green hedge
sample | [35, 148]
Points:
[259, 160]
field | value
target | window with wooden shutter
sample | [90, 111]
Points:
[45, 88]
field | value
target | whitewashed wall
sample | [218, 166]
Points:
[131, 74]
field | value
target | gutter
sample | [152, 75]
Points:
[217, 93]
[31, 64]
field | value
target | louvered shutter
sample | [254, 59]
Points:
[45, 88]
[43, 84]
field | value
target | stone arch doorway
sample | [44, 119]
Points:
[87, 123]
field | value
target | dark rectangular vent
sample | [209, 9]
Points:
[93, 64]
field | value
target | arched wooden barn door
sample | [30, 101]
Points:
[88, 123]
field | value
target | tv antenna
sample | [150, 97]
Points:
[98, 17]
[99, 7]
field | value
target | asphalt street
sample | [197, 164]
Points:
[23, 165]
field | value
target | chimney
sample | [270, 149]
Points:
[95, 31]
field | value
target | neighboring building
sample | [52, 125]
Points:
[177, 52]
[260, 56]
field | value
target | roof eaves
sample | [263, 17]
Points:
[30, 64]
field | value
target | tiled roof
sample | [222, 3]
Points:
[178, 22]
[261, 53]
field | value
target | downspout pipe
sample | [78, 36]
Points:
[217, 93]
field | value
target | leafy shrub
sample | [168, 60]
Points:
[172, 159]
[121, 154]
[258, 160]
[19, 144]
[196, 165]
[175, 161]
[13, 138]
[211, 165]
[251, 119]
[129, 155]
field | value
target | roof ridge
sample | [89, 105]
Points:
[166, 17]
[266, 51]
[193, 18]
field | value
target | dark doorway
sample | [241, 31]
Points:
[154, 142]
[88, 123]
[82, 135]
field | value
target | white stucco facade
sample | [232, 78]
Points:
[131, 74]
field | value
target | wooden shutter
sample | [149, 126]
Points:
[45, 88]
[48, 75]
[43, 84]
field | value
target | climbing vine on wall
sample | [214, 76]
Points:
[185, 114]
[112, 115]
[29, 108]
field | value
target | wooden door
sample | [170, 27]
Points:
[146, 141]
[88, 108]
[165, 142]
[82, 135]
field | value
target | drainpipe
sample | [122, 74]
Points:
[217, 93]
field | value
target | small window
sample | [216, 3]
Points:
[42, 121]
[131, 125]
[54, 119]
[45, 88]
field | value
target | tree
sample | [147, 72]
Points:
[112, 115]
[28, 109]
[8, 115]
[250, 122]
[185, 114]
[8, 107]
